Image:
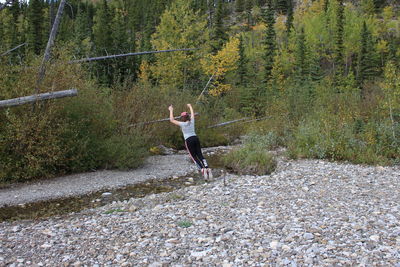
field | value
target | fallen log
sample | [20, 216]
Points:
[149, 122]
[50, 43]
[243, 120]
[39, 97]
[128, 54]
[9, 51]
[227, 122]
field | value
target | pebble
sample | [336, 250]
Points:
[341, 220]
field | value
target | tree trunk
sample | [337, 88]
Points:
[40, 97]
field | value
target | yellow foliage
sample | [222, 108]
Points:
[221, 63]
[144, 71]
[259, 27]
[219, 88]
[382, 46]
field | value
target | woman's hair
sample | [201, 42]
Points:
[185, 116]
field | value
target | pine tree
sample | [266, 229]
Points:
[35, 27]
[269, 42]
[15, 11]
[261, 3]
[289, 19]
[242, 63]
[102, 31]
[302, 70]
[339, 48]
[82, 30]
[367, 58]
[102, 36]
[326, 5]
[281, 6]
[249, 7]
[239, 5]
[219, 35]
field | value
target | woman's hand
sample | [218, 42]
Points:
[188, 105]
[170, 108]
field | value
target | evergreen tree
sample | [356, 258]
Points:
[326, 5]
[102, 31]
[269, 41]
[242, 63]
[339, 48]
[35, 26]
[289, 19]
[249, 7]
[379, 4]
[281, 6]
[367, 58]
[15, 11]
[302, 70]
[102, 35]
[82, 29]
[219, 35]
[261, 3]
[368, 7]
[239, 5]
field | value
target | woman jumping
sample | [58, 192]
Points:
[192, 142]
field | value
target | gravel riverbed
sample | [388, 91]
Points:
[307, 213]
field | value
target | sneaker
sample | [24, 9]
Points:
[209, 173]
[204, 173]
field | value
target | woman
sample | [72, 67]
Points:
[192, 142]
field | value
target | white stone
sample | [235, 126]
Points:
[374, 238]
[274, 245]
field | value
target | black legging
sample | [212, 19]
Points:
[193, 146]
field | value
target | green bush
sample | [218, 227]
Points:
[124, 152]
[250, 160]
[372, 143]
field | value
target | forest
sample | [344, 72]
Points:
[322, 77]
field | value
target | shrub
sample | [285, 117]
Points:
[372, 143]
[250, 160]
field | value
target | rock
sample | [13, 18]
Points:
[308, 236]
[106, 194]
[374, 238]
[274, 245]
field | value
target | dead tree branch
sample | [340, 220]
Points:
[50, 43]
[40, 97]
[128, 54]
[205, 87]
[149, 122]
[9, 51]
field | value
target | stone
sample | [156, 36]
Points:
[274, 245]
[374, 238]
[308, 236]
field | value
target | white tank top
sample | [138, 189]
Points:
[187, 128]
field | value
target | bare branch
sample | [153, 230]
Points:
[226, 123]
[50, 43]
[40, 97]
[9, 51]
[149, 122]
[129, 54]
[208, 83]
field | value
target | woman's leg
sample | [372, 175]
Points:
[199, 154]
[191, 146]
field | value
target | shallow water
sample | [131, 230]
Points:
[67, 205]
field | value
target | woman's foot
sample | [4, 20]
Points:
[204, 173]
[209, 173]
